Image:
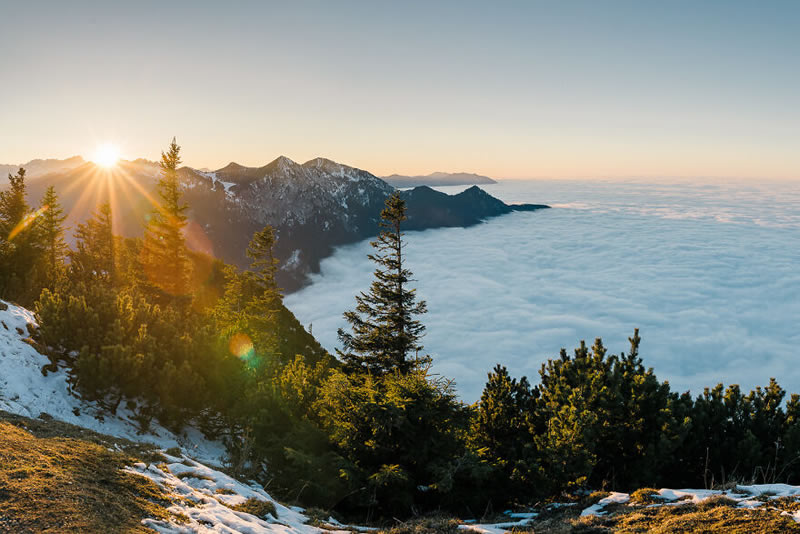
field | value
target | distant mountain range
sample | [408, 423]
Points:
[39, 167]
[314, 206]
[438, 179]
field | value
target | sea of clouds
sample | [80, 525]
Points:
[708, 271]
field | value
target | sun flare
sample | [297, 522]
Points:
[106, 155]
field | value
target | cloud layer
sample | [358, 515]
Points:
[708, 272]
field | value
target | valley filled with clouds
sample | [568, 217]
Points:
[707, 271]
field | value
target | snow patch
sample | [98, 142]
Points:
[204, 498]
[614, 498]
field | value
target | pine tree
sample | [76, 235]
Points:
[164, 256]
[385, 336]
[501, 435]
[18, 244]
[13, 206]
[51, 234]
[265, 265]
[94, 257]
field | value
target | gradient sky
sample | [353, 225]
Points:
[508, 89]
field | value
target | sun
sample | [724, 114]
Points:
[106, 155]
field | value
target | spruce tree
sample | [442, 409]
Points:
[18, 244]
[265, 265]
[94, 257]
[51, 234]
[385, 336]
[13, 205]
[164, 256]
[265, 303]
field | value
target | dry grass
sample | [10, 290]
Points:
[645, 496]
[715, 501]
[789, 504]
[717, 516]
[689, 518]
[52, 483]
[425, 525]
[258, 508]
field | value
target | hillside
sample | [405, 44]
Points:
[57, 477]
[65, 466]
[26, 389]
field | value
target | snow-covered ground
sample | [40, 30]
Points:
[754, 496]
[25, 390]
[520, 519]
[204, 498]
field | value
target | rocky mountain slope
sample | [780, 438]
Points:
[314, 206]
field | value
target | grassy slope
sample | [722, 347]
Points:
[56, 477]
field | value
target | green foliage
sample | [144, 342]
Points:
[51, 234]
[164, 254]
[501, 435]
[404, 433]
[94, 257]
[385, 334]
[20, 243]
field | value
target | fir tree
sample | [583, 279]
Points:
[94, 257]
[385, 336]
[18, 243]
[263, 308]
[164, 256]
[51, 233]
[265, 265]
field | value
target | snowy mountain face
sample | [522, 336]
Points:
[316, 206]
[286, 194]
[313, 207]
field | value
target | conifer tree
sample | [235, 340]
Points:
[265, 265]
[264, 302]
[385, 335]
[51, 233]
[164, 256]
[18, 244]
[94, 257]
[13, 205]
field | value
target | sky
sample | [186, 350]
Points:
[507, 89]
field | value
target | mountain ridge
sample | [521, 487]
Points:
[438, 178]
[314, 206]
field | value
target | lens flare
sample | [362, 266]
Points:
[26, 221]
[241, 345]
